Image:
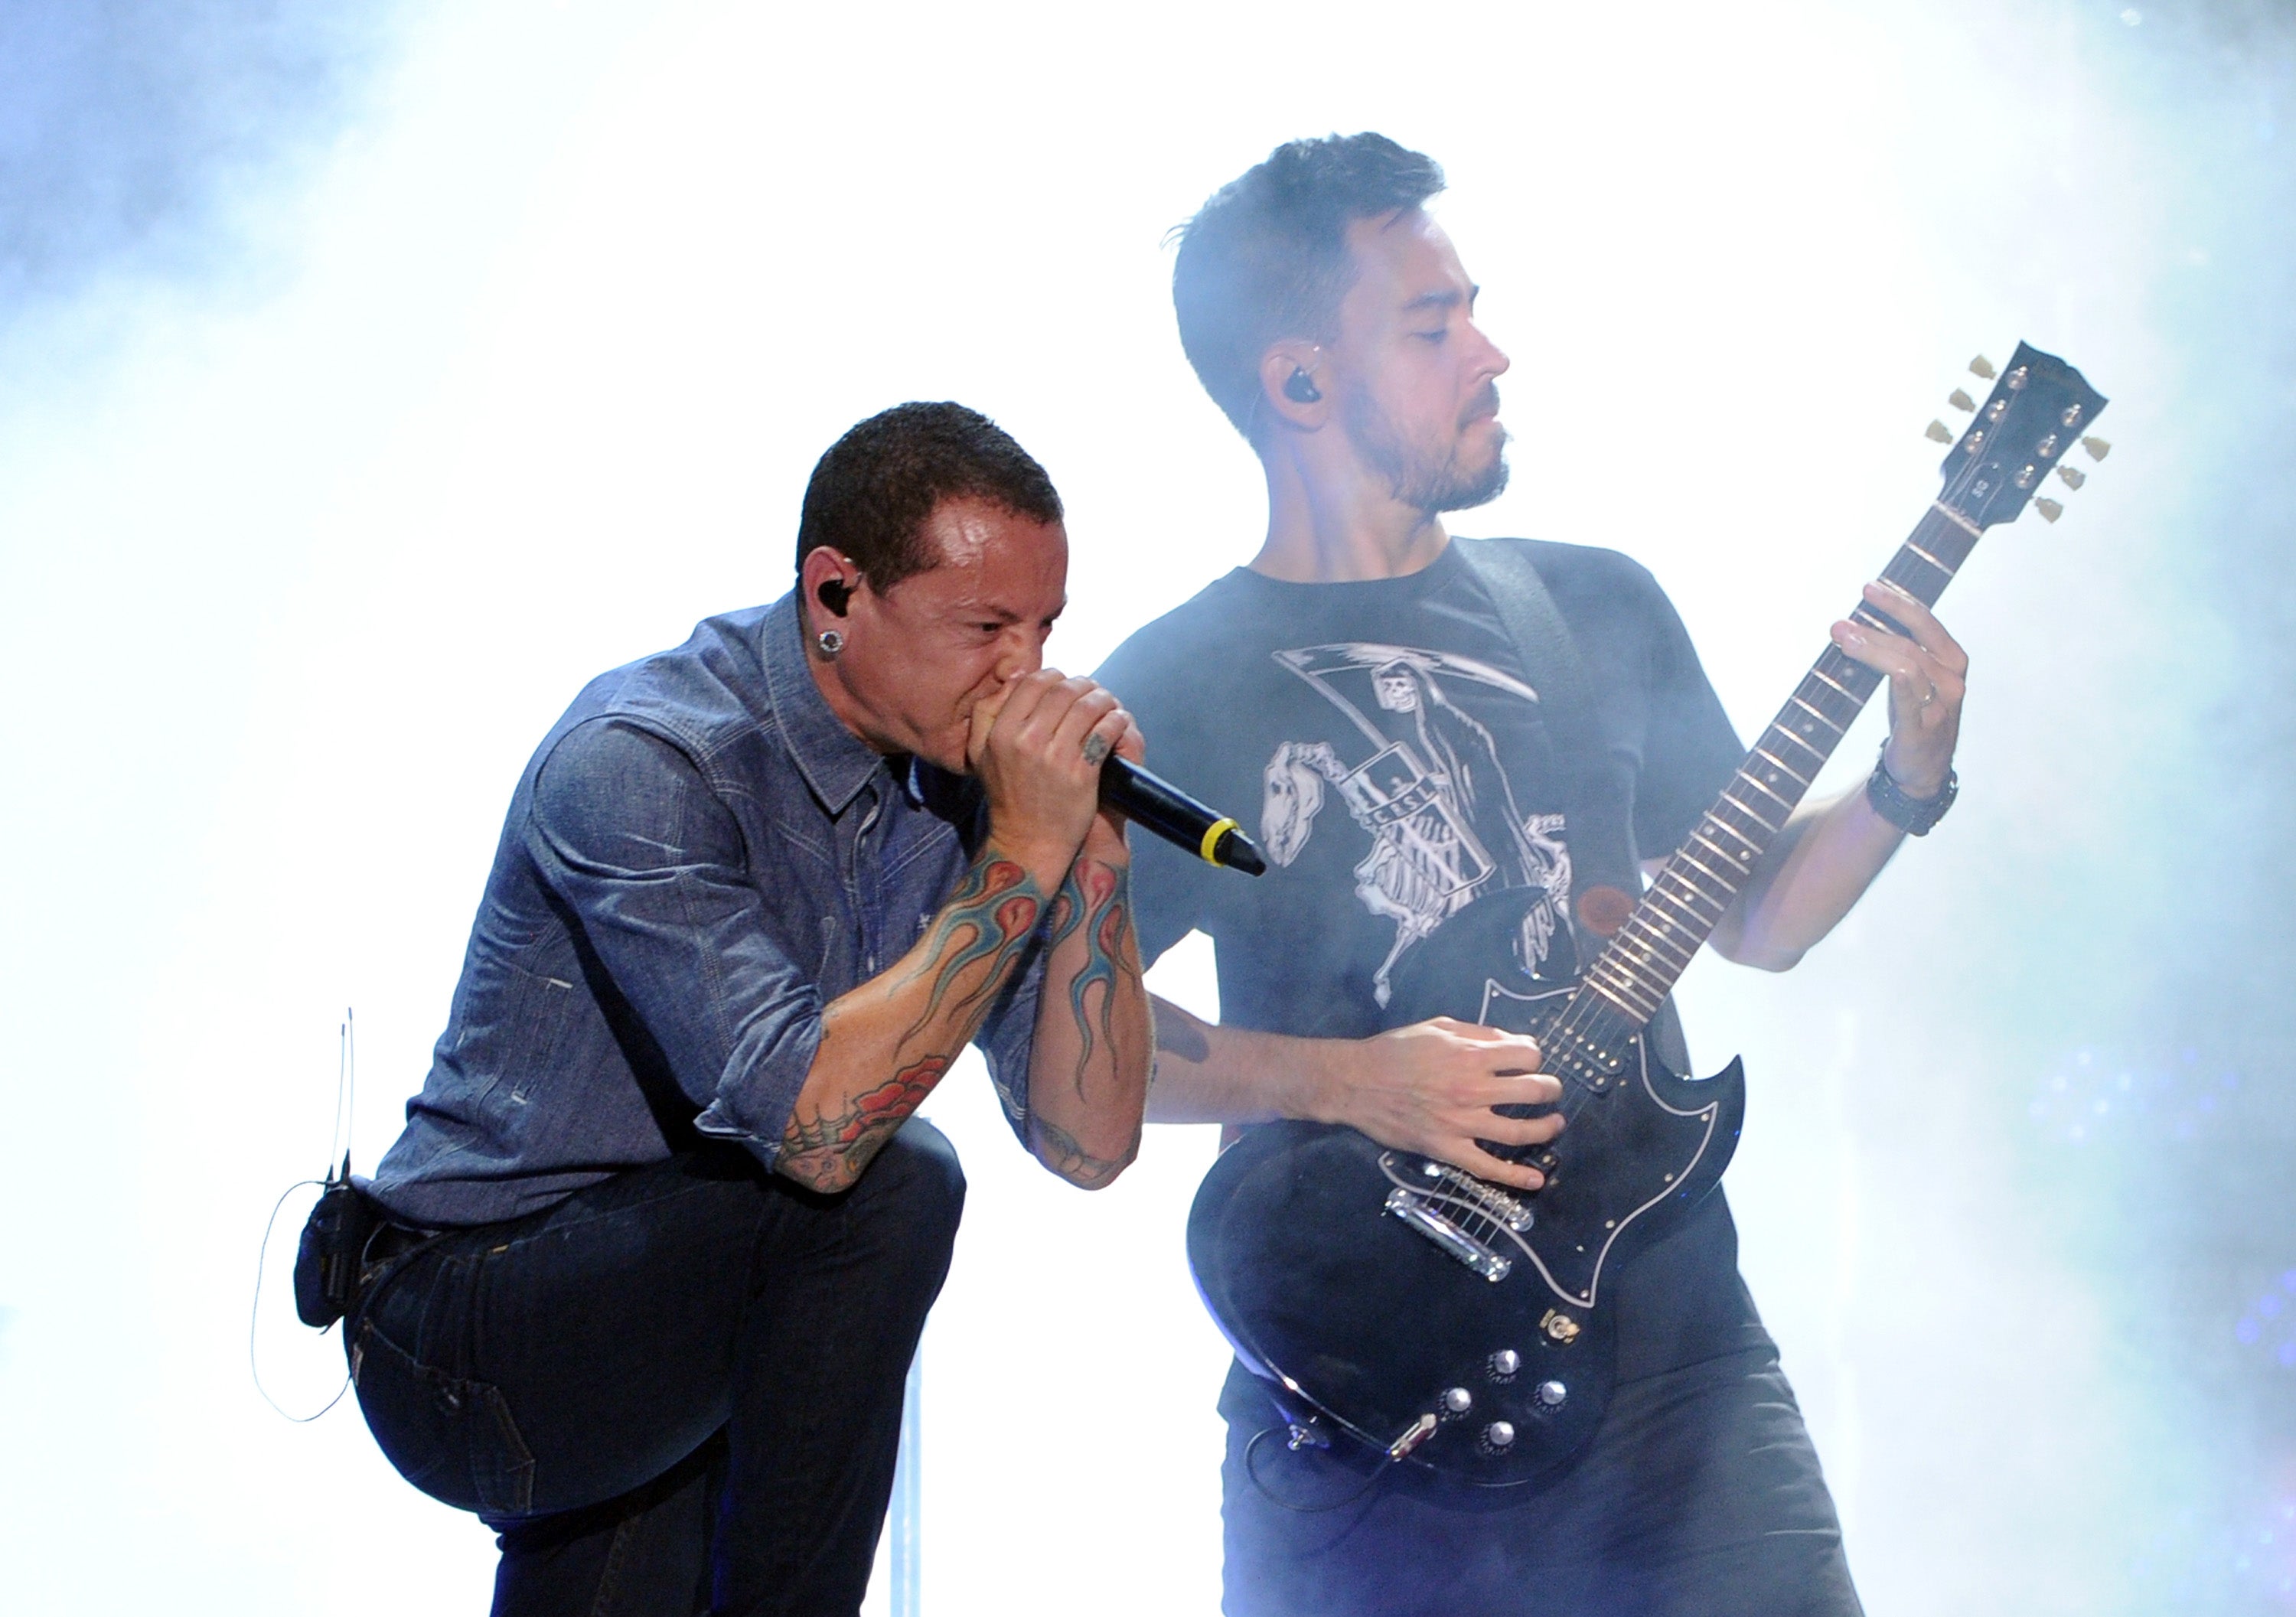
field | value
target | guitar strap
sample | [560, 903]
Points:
[1597, 807]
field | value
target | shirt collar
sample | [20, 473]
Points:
[835, 762]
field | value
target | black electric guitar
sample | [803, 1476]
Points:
[1465, 1328]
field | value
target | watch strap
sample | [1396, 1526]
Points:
[1913, 816]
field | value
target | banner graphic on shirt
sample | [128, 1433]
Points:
[1423, 779]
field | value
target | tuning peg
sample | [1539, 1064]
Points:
[2096, 446]
[1960, 400]
[1982, 366]
[1938, 430]
[2049, 509]
[2073, 475]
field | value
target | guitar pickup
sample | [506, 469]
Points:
[1419, 1213]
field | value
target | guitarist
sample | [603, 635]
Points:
[1357, 681]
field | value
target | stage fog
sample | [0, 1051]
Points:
[371, 377]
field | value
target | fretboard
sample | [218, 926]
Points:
[1643, 961]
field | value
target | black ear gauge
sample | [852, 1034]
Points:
[1300, 388]
[834, 594]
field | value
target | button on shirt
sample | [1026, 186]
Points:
[698, 859]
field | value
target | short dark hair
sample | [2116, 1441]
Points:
[1266, 258]
[871, 493]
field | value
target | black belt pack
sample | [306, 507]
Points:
[334, 1245]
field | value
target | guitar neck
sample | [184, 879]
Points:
[1643, 961]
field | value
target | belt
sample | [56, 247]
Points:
[391, 1240]
[388, 1243]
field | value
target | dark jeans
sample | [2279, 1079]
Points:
[677, 1391]
[1700, 1496]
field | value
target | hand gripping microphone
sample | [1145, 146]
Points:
[1158, 805]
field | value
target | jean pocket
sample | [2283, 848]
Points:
[452, 1438]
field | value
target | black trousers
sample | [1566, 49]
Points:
[677, 1391]
[1700, 1496]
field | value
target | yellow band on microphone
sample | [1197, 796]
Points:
[1210, 847]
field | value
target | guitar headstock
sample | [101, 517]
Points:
[2038, 409]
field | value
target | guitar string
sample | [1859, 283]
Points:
[1585, 1004]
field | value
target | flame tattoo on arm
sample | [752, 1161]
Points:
[989, 919]
[1093, 972]
[1092, 899]
[960, 965]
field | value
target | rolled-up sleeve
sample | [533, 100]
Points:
[630, 836]
[1008, 1036]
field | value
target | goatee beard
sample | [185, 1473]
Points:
[1419, 481]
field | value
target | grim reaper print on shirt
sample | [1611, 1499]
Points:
[1421, 779]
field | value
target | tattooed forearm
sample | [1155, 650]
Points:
[909, 1022]
[1177, 1035]
[1092, 899]
[1065, 1155]
[1092, 1026]
[987, 919]
[1180, 1034]
[827, 1152]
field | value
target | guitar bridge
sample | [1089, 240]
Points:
[1419, 1212]
[1490, 1200]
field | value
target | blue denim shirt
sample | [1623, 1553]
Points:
[698, 856]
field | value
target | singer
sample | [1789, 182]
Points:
[662, 1229]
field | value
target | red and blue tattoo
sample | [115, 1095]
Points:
[1094, 898]
[966, 955]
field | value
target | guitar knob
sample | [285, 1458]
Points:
[1551, 1394]
[1506, 1362]
[1458, 1400]
[1500, 1434]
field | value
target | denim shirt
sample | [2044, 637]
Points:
[698, 856]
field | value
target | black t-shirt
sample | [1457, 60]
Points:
[1380, 741]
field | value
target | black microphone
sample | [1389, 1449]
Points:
[1159, 806]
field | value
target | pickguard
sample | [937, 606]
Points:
[1575, 1275]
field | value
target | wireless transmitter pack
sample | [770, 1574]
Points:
[327, 1257]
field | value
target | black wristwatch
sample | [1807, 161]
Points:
[1913, 816]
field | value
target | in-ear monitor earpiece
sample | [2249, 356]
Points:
[1300, 388]
[835, 595]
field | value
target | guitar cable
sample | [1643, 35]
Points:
[1251, 1471]
[337, 1141]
